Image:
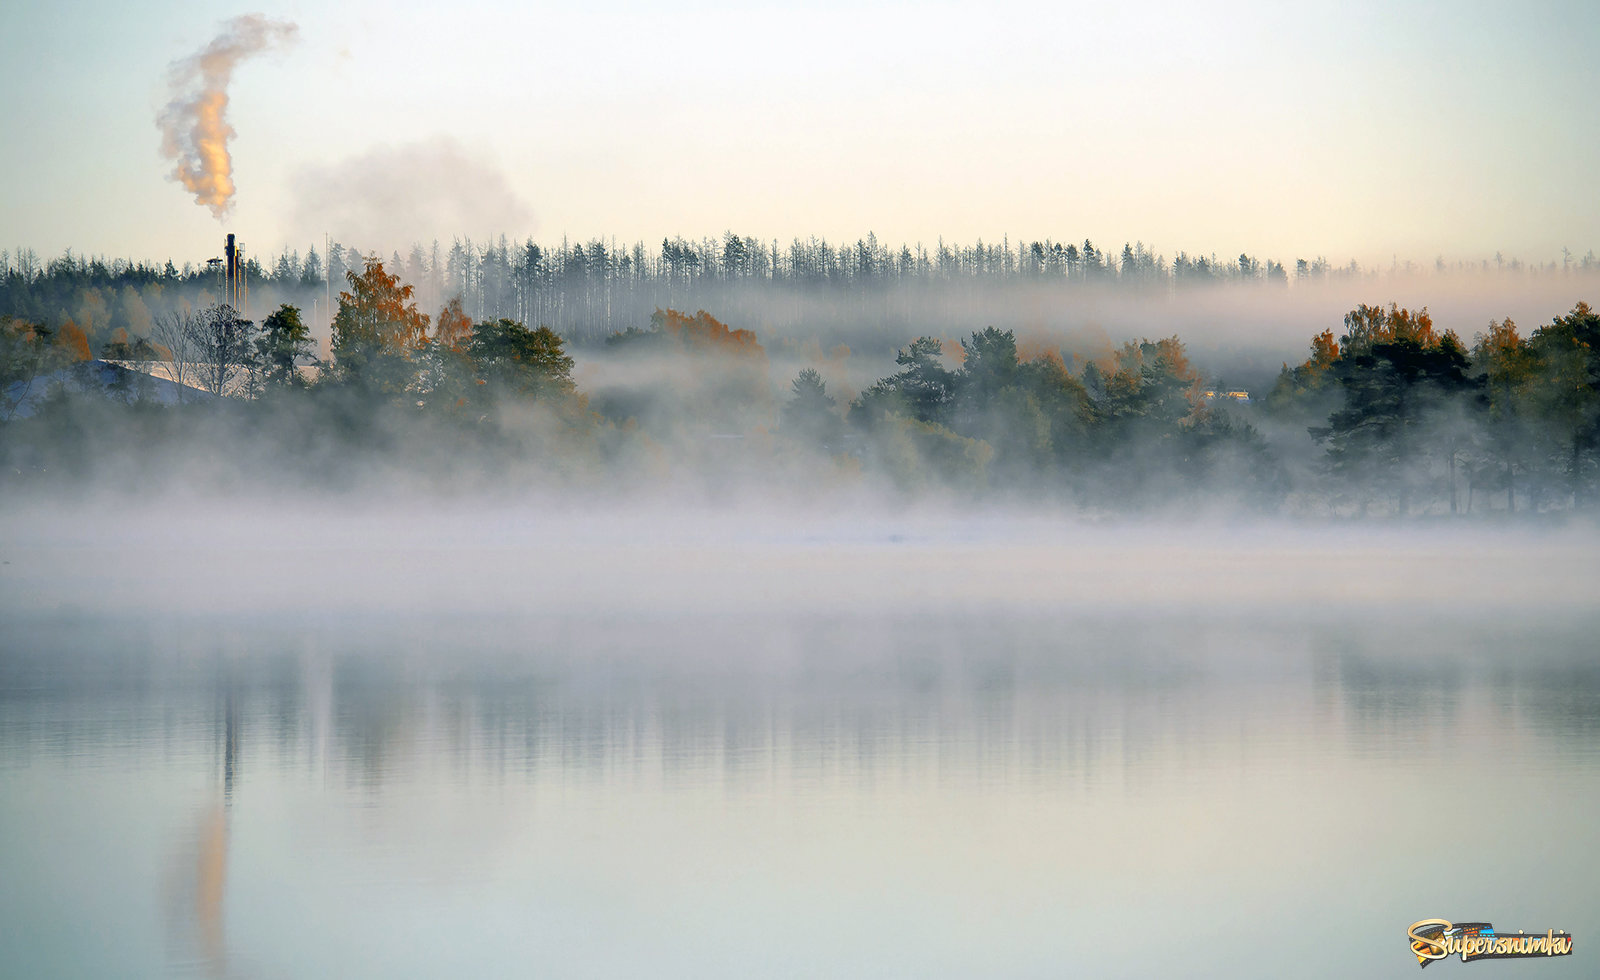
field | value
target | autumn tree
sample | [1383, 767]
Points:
[376, 331]
[445, 375]
[1508, 366]
[1154, 387]
[1306, 386]
[1147, 419]
[71, 343]
[703, 332]
[713, 376]
[453, 328]
[1408, 404]
[1366, 326]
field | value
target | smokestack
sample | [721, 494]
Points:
[235, 292]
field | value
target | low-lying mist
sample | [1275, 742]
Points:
[1400, 414]
[271, 559]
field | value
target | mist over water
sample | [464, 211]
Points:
[557, 556]
[422, 738]
[436, 593]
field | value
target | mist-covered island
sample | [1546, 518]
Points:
[1389, 413]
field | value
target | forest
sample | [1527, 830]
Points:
[1388, 415]
[865, 293]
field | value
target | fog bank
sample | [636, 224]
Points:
[544, 559]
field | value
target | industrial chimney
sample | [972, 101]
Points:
[235, 291]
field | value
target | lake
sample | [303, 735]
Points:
[911, 747]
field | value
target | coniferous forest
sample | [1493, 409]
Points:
[799, 369]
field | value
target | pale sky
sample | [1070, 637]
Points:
[1351, 130]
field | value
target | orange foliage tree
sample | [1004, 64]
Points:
[72, 343]
[376, 330]
[453, 328]
[1155, 383]
[705, 333]
[444, 373]
[1366, 326]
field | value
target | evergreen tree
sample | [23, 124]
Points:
[809, 416]
[515, 361]
[284, 342]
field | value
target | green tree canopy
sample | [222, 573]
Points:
[513, 360]
[1568, 396]
[283, 343]
[1408, 404]
[810, 414]
[923, 389]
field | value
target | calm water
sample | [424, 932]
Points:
[940, 793]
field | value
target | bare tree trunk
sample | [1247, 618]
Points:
[174, 331]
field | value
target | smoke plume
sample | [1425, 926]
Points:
[194, 124]
[391, 195]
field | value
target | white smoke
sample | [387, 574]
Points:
[194, 124]
[391, 195]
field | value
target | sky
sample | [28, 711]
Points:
[1373, 131]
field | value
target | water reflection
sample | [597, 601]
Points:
[1160, 765]
[1026, 700]
[211, 857]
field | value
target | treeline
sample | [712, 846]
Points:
[1390, 417]
[588, 290]
[1410, 417]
